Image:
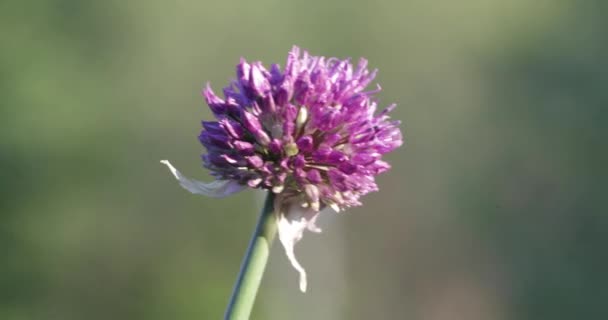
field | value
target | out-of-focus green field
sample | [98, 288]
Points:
[495, 209]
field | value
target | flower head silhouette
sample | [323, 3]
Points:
[308, 133]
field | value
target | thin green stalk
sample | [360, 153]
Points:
[254, 263]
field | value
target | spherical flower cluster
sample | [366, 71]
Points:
[308, 133]
[309, 129]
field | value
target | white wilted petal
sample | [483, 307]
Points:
[215, 189]
[293, 219]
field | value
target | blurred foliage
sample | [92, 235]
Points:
[494, 210]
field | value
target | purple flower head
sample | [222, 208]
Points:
[309, 127]
[309, 133]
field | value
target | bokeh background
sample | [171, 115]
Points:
[495, 209]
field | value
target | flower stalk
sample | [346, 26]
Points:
[254, 263]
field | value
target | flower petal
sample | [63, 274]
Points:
[292, 220]
[215, 189]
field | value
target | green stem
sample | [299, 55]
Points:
[254, 263]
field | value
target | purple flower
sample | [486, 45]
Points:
[309, 133]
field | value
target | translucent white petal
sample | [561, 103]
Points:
[293, 219]
[215, 189]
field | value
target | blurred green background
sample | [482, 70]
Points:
[495, 209]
